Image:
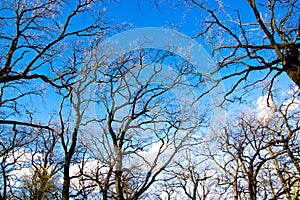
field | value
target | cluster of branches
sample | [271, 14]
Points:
[47, 59]
[257, 36]
[34, 37]
[256, 155]
[52, 80]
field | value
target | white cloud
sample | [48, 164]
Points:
[264, 108]
[90, 167]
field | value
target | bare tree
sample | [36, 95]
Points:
[35, 37]
[13, 140]
[45, 166]
[143, 114]
[145, 120]
[194, 175]
[30, 160]
[258, 149]
[257, 36]
[43, 43]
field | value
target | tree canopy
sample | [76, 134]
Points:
[256, 36]
[81, 120]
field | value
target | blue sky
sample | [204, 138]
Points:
[143, 13]
[146, 14]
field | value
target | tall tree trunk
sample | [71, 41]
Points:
[118, 176]
[294, 74]
[66, 178]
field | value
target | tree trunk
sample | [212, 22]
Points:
[292, 66]
[294, 74]
[66, 177]
[118, 176]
